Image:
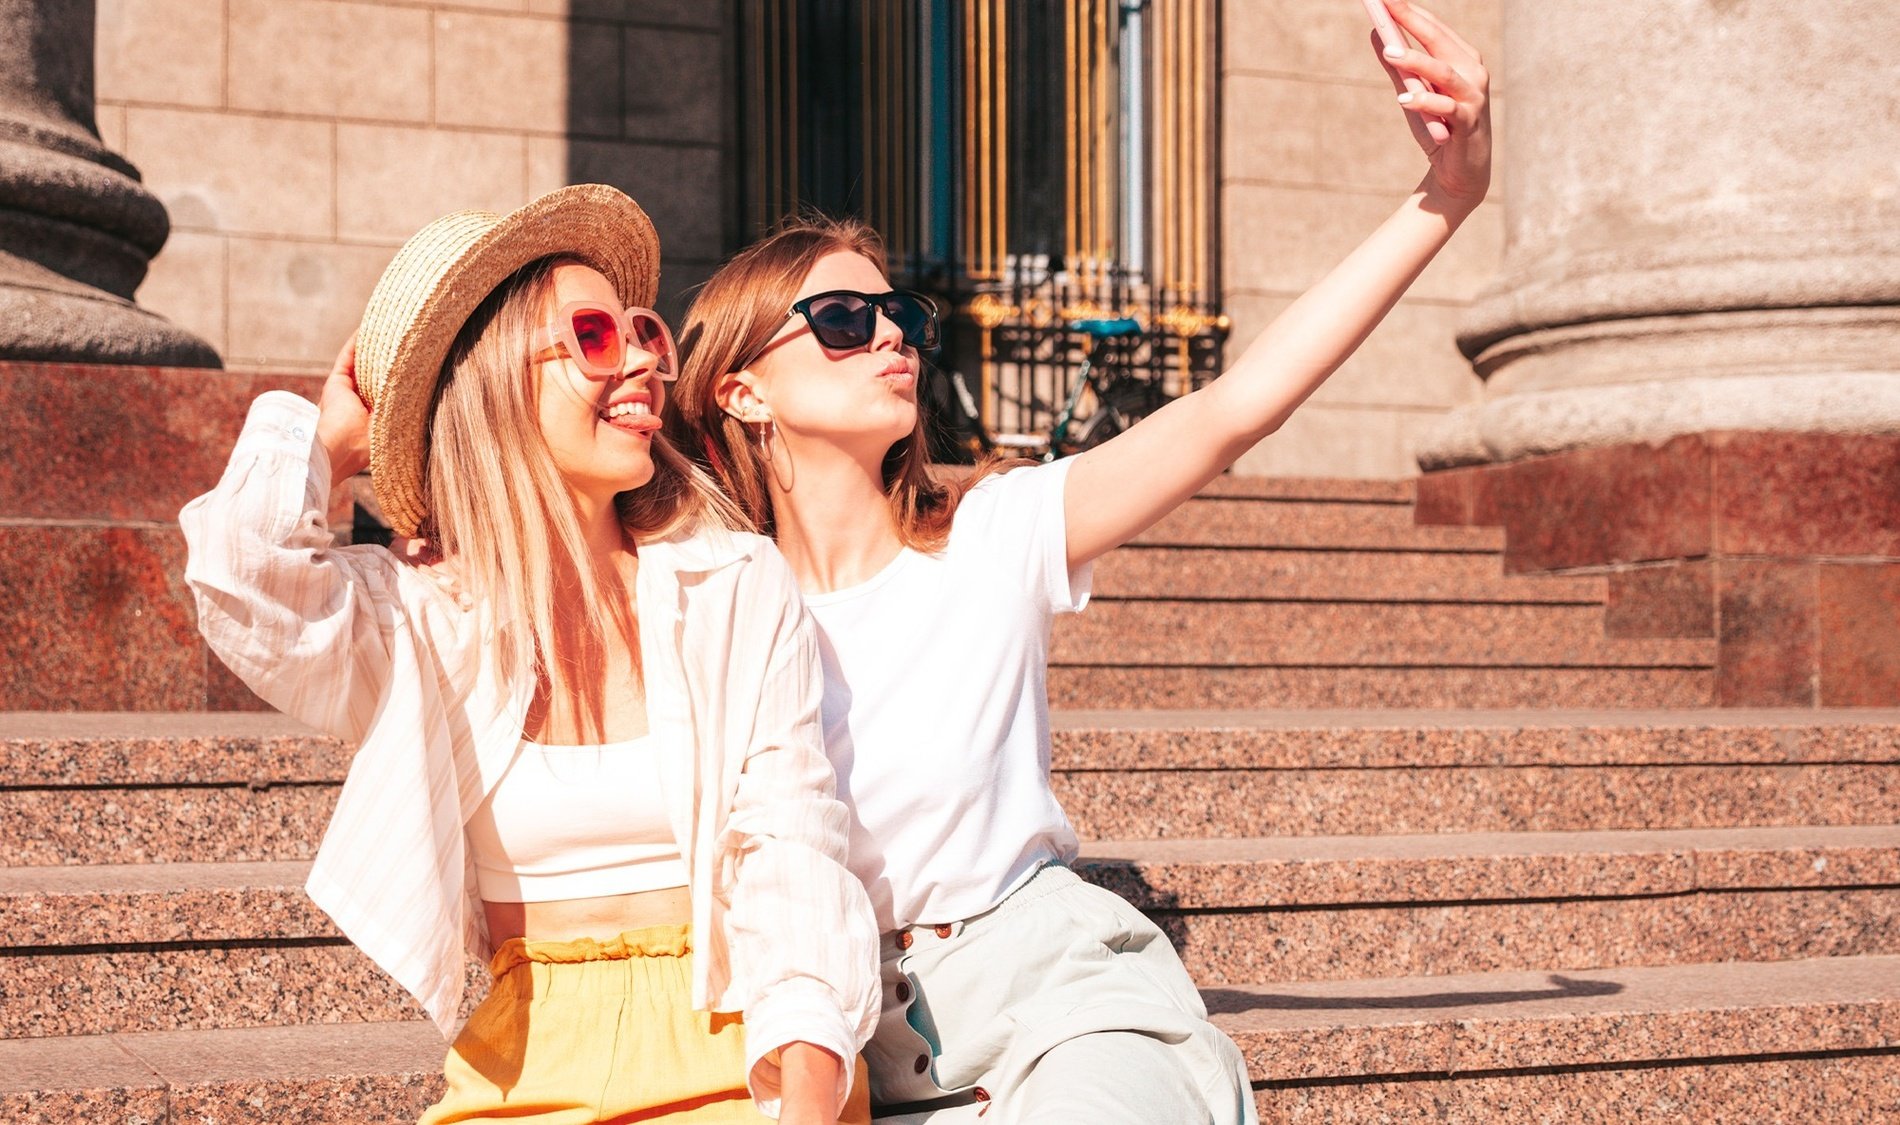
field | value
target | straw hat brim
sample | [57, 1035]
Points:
[438, 279]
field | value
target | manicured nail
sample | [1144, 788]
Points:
[1394, 51]
[1405, 99]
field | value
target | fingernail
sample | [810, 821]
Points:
[1405, 99]
[1394, 51]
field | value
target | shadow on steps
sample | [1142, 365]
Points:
[1561, 988]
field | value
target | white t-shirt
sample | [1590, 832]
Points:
[936, 706]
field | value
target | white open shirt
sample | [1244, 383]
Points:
[370, 649]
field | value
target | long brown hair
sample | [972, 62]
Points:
[499, 512]
[739, 309]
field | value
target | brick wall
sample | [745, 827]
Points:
[296, 143]
[1314, 156]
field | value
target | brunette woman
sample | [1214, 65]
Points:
[1010, 985]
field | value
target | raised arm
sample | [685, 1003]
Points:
[1125, 485]
[305, 624]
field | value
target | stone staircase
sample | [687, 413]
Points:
[1267, 592]
[1410, 888]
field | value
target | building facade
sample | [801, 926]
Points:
[1197, 162]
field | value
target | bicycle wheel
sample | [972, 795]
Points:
[1126, 400]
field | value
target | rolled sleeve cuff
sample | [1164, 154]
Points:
[280, 423]
[800, 1011]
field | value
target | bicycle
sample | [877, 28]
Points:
[1121, 398]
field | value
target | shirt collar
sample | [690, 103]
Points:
[699, 550]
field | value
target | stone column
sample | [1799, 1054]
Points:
[1704, 227]
[77, 230]
[1692, 355]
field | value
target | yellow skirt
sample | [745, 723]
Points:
[579, 1032]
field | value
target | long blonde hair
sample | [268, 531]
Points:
[739, 309]
[500, 514]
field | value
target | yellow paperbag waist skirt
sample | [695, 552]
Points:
[585, 1031]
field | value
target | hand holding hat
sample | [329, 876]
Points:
[342, 418]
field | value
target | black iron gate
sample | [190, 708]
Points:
[1033, 163]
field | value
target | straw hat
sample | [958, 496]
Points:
[436, 281]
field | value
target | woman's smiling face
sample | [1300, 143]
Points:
[599, 430]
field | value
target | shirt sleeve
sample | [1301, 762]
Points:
[1017, 519]
[305, 624]
[801, 932]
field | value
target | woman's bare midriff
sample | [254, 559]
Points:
[598, 918]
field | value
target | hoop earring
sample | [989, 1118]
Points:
[767, 454]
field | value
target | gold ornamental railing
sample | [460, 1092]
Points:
[1035, 163]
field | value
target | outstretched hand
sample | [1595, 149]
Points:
[1458, 93]
[342, 419]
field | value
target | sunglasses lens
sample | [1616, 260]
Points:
[651, 336]
[915, 318]
[843, 320]
[599, 339]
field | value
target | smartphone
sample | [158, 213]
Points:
[1390, 35]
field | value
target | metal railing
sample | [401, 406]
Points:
[1032, 163]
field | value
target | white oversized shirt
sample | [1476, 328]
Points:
[366, 647]
[937, 709]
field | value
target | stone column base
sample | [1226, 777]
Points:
[1784, 547]
[98, 461]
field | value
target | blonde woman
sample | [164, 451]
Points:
[1013, 989]
[587, 710]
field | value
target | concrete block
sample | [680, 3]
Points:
[1411, 358]
[294, 303]
[1281, 239]
[1306, 131]
[186, 285]
[678, 185]
[647, 13]
[1327, 440]
[1332, 40]
[111, 122]
[235, 174]
[519, 72]
[392, 180]
[166, 51]
[676, 85]
[345, 60]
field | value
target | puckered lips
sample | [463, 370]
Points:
[899, 374]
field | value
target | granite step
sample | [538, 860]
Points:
[219, 787]
[1815, 1040]
[1257, 634]
[1339, 489]
[1283, 523]
[1175, 804]
[178, 947]
[229, 822]
[1424, 685]
[1329, 908]
[1199, 774]
[1225, 573]
[1795, 1041]
[181, 946]
[149, 787]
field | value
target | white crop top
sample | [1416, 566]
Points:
[576, 822]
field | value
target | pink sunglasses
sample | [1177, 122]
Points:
[595, 338]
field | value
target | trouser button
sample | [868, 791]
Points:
[922, 1064]
[903, 992]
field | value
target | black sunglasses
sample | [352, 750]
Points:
[844, 318]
